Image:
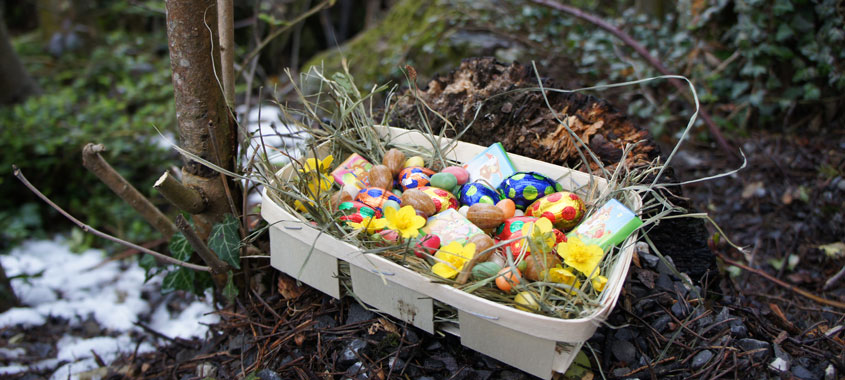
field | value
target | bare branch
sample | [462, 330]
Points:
[185, 198]
[17, 172]
[95, 163]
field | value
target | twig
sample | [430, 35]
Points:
[226, 35]
[641, 50]
[185, 198]
[793, 288]
[219, 268]
[829, 283]
[19, 175]
[95, 163]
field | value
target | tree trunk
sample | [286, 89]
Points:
[201, 113]
[8, 299]
[15, 84]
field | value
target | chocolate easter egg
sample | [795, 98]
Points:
[478, 192]
[375, 197]
[443, 200]
[526, 187]
[511, 226]
[356, 211]
[563, 209]
[519, 245]
[414, 177]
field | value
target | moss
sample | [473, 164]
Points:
[412, 33]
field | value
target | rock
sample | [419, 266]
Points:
[779, 365]
[739, 330]
[268, 374]
[643, 305]
[411, 337]
[236, 344]
[396, 364]
[624, 351]
[434, 346]
[356, 371]
[803, 373]
[665, 282]
[619, 372]
[668, 270]
[434, 364]
[679, 310]
[723, 315]
[661, 323]
[624, 334]
[358, 313]
[762, 348]
[450, 362]
[349, 355]
[324, 322]
[830, 372]
[700, 359]
[511, 375]
[650, 260]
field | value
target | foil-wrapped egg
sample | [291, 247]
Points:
[564, 209]
[478, 192]
[443, 200]
[356, 211]
[375, 197]
[511, 226]
[414, 177]
[525, 187]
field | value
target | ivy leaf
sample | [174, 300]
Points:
[225, 241]
[230, 291]
[179, 279]
[179, 247]
[150, 265]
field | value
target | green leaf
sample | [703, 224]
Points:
[230, 291]
[179, 279]
[225, 241]
[784, 32]
[179, 247]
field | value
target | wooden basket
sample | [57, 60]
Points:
[534, 343]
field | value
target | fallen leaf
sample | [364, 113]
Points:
[646, 277]
[754, 188]
[834, 250]
[636, 260]
[288, 287]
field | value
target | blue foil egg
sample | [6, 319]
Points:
[477, 192]
[523, 188]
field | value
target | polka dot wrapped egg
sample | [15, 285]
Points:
[563, 209]
[477, 192]
[443, 200]
[375, 197]
[414, 177]
[523, 188]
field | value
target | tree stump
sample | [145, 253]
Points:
[524, 124]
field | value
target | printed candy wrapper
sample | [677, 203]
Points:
[451, 226]
[608, 226]
[353, 170]
[492, 166]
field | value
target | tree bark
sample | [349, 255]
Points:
[15, 84]
[8, 299]
[201, 113]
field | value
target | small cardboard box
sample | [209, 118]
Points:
[536, 344]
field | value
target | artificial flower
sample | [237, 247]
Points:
[539, 231]
[405, 221]
[315, 164]
[372, 225]
[599, 283]
[451, 259]
[584, 258]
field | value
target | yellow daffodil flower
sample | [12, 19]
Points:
[561, 276]
[599, 283]
[452, 258]
[315, 164]
[405, 221]
[371, 225]
[318, 186]
[539, 231]
[584, 258]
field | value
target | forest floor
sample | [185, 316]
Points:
[785, 209]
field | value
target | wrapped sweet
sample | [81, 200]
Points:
[415, 177]
[478, 192]
[375, 197]
[523, 188]
[563, 209]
